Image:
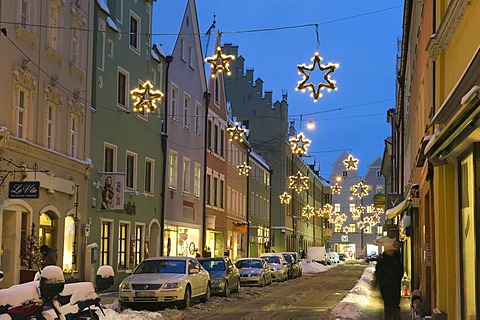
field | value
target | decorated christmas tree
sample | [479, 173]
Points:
[30, 253]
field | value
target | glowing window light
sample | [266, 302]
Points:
[145, 98]
[305, 70]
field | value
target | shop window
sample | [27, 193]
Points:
[122, 245]
[105, 238]
[139, 230]
[68, 240]
[46, 231]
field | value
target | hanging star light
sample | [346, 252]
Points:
[336, 189]
[346, 229]
[145, 98]
[244, 169]
[236, 132]
[351, 163]
[285, 198]
[360, 190]
[355, 215]
[308, 211]
[220, 62]
[361, 224]
[298, 182]
[299, 144]
[316, 88]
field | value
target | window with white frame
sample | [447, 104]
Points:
[119, 10]
[110, 158]
[352, 228]
[135, 31]
[186, 108]
[50, 126]
[337, 207]
[208, 189]
[105, 242]
[73, 136]
[173, 167]
[102, 26]
[209, 134]
[186, 175]
[75, 50]
[26, 14]
[222, 142]
[379, 229]
[216, 90]
[215, 139]
[139, 238]
[131, 170]
[54, 21]
[182, 48]
[122, 88]
[367, 229]
[229, 199]
[190, 56]
[173, 102]
[221, 190]
[198, 108]
[110, 48]
[21, 113]
[215, 191]
[149, 175]
[338, 228]
[123, 241]
[197, 179]
[352, 207]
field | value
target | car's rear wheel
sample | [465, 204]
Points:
[206, 297]
[187, 299]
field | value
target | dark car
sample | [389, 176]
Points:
[224, 276]
[298, 262]
[292, 266]
[341, 256]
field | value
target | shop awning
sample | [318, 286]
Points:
[395, 211]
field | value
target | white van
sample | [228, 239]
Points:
[316, 254]
[332, 258]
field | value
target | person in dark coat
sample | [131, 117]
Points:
[50, 256]
[388, 275]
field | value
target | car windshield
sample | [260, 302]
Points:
[249, 264]
[213, 265]
[272, 259]
[161, 266]
[295, 256]
[288, 258]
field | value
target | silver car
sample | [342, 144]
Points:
[278, 265]
[157, 280]
[254, 271]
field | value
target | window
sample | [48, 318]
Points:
[197, 180]
[172, 178]
[47, 230]
[186, 175]
[73, 136]
[149, 175]
[102, 26]
[25, 14]
[105, 237]
[190, 56]
[379, 230]
[222, 143]
[53, 24]
[345, 173]
[110, 48]
[197, 118]
[217, 90]
[208, 189]
[215, 139]
[352, 207]
[215, 191]
[379, 189]
[351, 228]
[21, 108]
[122, 245]
[134, 32]
[173, 102]
[379, 174]
[209, 134]
[367, 229]
[122, 88]
[110, 158]
[50, 127]
[119, 11]
[182, 48]
[131, 170]
[221, 190]
[337, 207]
[338, 228]
[68, 241]
[76, 46]
[186, 107]
[138, 244]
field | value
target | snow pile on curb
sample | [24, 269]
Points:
[355, 301]
[309, 266]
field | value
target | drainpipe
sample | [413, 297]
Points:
[164, 137]
[249, 150]
[206, 97]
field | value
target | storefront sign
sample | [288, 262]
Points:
[24, 189]
[344, 238]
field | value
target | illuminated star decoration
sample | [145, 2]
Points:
[357, 213]
[360, 190]
[351, 163]
[299, 144]
[298, 182]
[236, 132]
[145, 98]
[326, 211]
[336, 189]
[220, 62]
[244, 169]
[326, 69]
[308, 211]
[346, 229]
[285, 198]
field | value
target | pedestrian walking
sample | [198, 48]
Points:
[388, 276]
[49, 256]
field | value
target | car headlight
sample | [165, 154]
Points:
[172, 285]
[124, 286]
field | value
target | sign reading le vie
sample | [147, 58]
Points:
[24, 189]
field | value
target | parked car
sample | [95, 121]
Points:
[317, 254]
[332, 258]
[298, 262]
[341, 256]
[371, 257]
[292, 266]
[176, 280]
[224, 276]
[278, 265]
[254, 271]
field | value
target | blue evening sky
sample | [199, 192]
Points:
[360, 35]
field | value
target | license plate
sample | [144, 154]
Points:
[145, 294]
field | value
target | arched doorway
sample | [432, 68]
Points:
[154, 239]
[47, 230]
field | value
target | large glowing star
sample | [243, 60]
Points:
[360, 190]
[220, 62]
[351, 163]
[336, 189]
[299, 144]
[298, 182]
[145, 98]
[316, 88]
[244, 169]
[285, 198]
[308, 211]
[236, 132]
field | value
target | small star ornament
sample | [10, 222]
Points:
[316, 88]
[308, 211]
[299, 144]
[243, 169]
[220, 62]
[298, 182]
[360, 190]
[336, 189]
[351, 163]
[145, 97]
[236, 132]
[285, 198]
